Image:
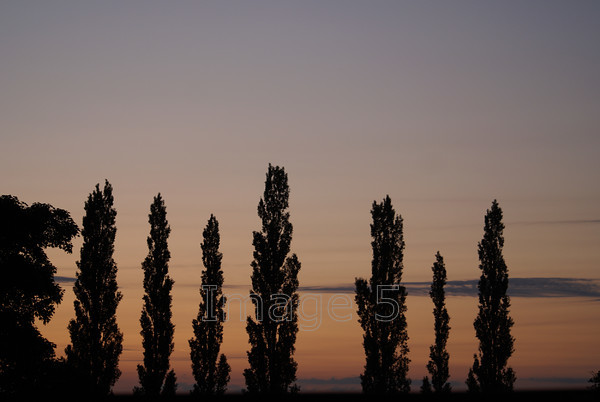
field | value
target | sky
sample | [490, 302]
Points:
[445, 106]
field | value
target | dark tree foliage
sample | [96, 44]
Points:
[426, 387]
[595, 380]
[95, 336]
[157, 328]
[272, 334]
[438, 355]
[472, 384]
[493, 323]
[28, 291]
[382, 306]
[211, 375]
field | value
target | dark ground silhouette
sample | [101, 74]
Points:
[525, 396]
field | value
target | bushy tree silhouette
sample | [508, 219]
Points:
[95, 336]
[493, 323]
[382, 306]
[211, 376]
[472, 384]
[272, 333]
[426, 386]
[595, 380]
[28, 291]
[438, 355]
[157, 328]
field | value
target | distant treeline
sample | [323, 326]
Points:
[29, 366]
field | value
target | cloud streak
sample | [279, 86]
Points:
[351, 382]
[557, 222]
[518, 287]
[330, 381]
[560, 380]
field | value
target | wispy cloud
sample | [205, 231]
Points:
[327, 289]
[330, 381]
[519, 223]
[556, 380]
[518, 287]
[557, 222]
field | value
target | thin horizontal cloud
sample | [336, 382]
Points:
[327, 289]
[556, 380]
[129, 284]
[184, 388]
[64, 279]
[329, 381]
[557, 222]
[199, 283]
[519, 223]
[518, 287]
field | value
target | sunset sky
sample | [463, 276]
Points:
[444, 106]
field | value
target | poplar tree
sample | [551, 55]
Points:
[157, 328]
[211, 376]
[438, 355]
[95, 336]
[272, 333]
[382, 306]
[493, 323]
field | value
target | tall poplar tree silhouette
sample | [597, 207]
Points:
[382, 305]
[438, 355]
[272, 334]
[493, 323]
[95, 336]
[157, 328]
[28, 291]
[211, 377]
